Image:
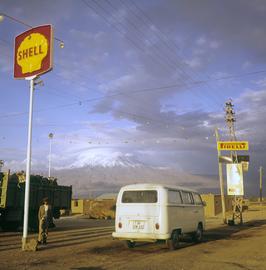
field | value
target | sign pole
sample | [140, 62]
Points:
[221, 178]
[261, 173]
[28, 168]
[33, 56]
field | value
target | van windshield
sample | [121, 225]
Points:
[140, 196]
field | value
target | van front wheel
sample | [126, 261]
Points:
[173, 243]
[130, 244]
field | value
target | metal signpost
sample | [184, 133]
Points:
[235, 164]
[221, 176]
[32, 57]
[261, 174]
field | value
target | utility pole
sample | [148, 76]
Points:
[261, 173]
[230, 120]
[220, 165]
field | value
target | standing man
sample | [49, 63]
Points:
[45, 218]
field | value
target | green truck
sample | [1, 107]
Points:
[12, 192]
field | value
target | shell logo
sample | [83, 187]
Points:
[31, 52]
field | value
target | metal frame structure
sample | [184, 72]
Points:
[230, 120]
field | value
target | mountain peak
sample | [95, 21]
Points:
[102, 159]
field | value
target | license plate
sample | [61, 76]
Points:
[138, 225]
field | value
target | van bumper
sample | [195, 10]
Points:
[145, 237]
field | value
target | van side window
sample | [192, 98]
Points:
[187, 197]
[197, 199]
[174, 197]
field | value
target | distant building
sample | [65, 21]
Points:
[102, 208]
[214, 204]
[79, 206]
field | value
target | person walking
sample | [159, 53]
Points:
[45, 218]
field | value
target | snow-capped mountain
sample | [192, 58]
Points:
[106, 158]
[95, 172]
[113, 159]
[94, 180]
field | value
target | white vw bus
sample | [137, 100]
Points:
[152, 212]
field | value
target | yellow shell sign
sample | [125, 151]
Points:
[33, 52]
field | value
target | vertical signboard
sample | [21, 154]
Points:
[33, 52]
[235, 179]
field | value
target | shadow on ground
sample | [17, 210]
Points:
[87, 268]
[74, 239]
[224, 232]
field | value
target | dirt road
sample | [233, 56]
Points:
[82, 244]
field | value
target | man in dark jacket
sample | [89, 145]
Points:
[45, 218]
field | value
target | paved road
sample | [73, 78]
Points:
[83, 244]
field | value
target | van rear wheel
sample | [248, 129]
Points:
[198, 234]
[130, 244]
[173, 243]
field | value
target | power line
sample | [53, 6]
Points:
[122, 93]
[25, 24]
[123, 33]
[142, 35]
[172, 46]
[172, 67]
[103, 97]
[197, 83]
[176, 64]
[30, 26]
[165, 40]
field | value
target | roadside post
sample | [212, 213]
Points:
[221, 177]
[235, 164]
[32, 57]
[261, 174]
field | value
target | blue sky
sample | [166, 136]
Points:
[103, 95]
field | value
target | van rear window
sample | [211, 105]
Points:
[140, 196]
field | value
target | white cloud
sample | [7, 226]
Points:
[214, 44]
[201, 41]
[246, 65]
[194, 62]
[261, 82]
